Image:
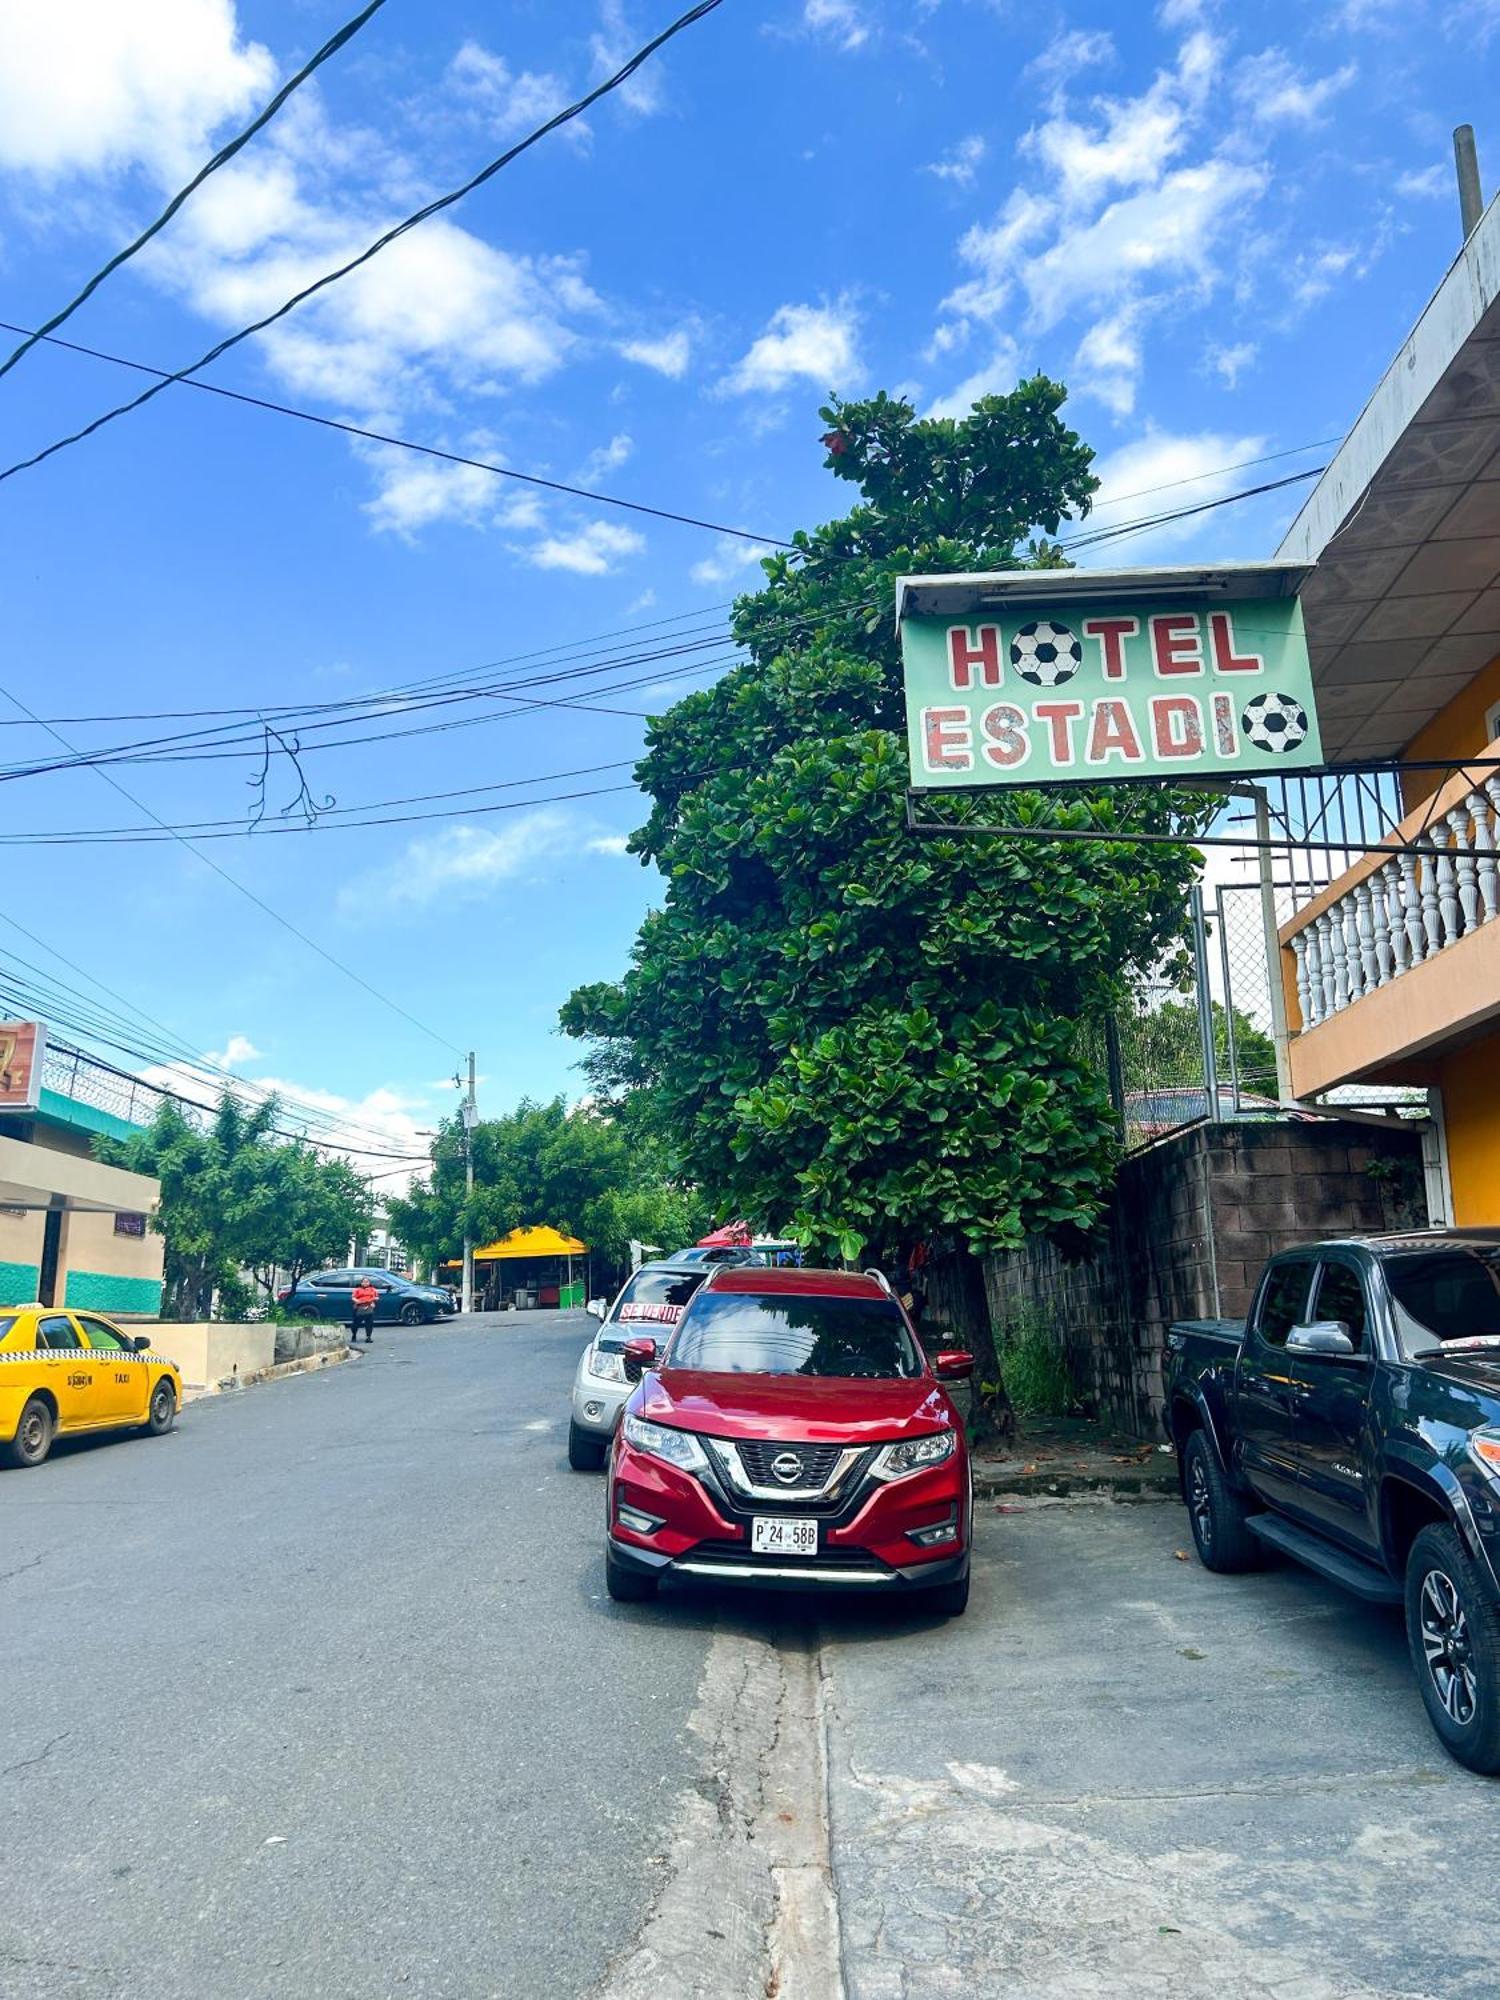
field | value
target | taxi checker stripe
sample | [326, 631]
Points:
[110, 1354]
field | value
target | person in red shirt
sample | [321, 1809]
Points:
[363, 1299]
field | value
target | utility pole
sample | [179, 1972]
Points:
[470, 1115]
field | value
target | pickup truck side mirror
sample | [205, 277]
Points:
[636, 1356]
[1325, 1337]
[595, 1308]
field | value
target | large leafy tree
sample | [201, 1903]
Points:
[849, 1030]
[235, 1197]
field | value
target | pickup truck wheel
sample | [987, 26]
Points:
[1218, 1514]
[586, 1449]
[1453, 1629]
[33, 1438]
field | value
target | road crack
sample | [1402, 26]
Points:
[28, 1763]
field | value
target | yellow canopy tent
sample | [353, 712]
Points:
[540, 1241]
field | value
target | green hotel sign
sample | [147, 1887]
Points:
[1084, 692]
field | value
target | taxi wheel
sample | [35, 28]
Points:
[163, 1412]
[33, 1438]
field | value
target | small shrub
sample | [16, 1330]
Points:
[1034, 1367]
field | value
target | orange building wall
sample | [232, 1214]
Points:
[1455, 731]
[1470, 1083]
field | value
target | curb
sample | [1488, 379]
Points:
[305, 1364]
[1157, 1483]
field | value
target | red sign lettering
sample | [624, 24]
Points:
[1226, 660]
[1059, 717]
[1113, 733]
[1007, 743]
[1175, 643]
[948, 739]
[970, 649]
[1112, 634]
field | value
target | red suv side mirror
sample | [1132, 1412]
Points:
[637, 1356]
[954, 1364]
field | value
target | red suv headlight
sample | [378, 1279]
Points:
[899, 1461]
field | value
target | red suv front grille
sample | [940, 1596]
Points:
[815, 1462]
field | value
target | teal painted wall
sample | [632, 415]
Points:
[81, 1117]
[19, 1284]
[99, 1291]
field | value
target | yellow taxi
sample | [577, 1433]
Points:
[63, 1373]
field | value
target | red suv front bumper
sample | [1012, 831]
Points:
[865, 1531]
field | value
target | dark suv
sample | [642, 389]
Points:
[329, 1295]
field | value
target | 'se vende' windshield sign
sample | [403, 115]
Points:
[1095, 692]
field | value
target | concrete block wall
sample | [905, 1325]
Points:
[1192, 1222]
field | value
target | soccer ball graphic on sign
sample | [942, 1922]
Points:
[1046, 654]
[1274, 722]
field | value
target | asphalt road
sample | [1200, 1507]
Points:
[321, 1694]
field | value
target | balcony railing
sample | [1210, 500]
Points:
[1389, 914]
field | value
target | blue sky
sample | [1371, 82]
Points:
[1216, 224]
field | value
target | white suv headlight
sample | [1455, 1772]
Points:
[897, 1461]
[606, 1367]
[679, 1448]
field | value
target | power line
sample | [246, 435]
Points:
[235, 883]
[1182, 513]
[164, 377]
[1213, 472]
[220, 159]
[381, 242]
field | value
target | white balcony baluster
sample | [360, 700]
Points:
[1432, 922]
[1380, 917]
[1304, 993]
[1468, 881]
[1390, 882]
[1340, 947]
[1364, 920]
[1354, 969]
[1411, 904]
[1447, 885]
[1315, 1009]
[1486, 825]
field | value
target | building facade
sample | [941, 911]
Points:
[1391, 972]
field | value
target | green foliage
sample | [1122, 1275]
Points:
[1034, 1367]
[1161, 1047]
[233, 1197]
[595, 1174]
[847, 1032]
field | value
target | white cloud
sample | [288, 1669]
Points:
[995, 378]
[236, 1049]
[842, 22]
[961, 161]
[416, 493]
[608, 843]
[1313, 272]
[461, 863]
[1434, 183]
[594, 550]
[1229, 363]
[643, 602]
[613, 45]
[509, 102]
[802, 343]
[1274, 91]
[1160, 471]
[729, 561]
[1070, 53]
[608, 458]
[1108, 362]
[119, 85]
[1124, 142]
[668, 356]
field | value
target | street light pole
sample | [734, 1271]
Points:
[470, 1116]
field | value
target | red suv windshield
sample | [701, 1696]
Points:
[749, 1333]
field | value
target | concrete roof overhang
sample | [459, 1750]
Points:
[970, 594]
[37, 1177]
[1403, 606]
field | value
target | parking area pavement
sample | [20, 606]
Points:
[1121, 1775]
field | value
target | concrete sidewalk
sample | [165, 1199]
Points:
[1120, 1775]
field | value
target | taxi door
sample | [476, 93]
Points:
[122, 1379]
[66, 1367]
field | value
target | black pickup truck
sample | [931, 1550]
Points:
[1353, 1422]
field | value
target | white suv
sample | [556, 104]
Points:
[650, 1302]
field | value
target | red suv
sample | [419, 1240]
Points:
[793, 1434]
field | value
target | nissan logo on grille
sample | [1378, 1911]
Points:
[787, 1467]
